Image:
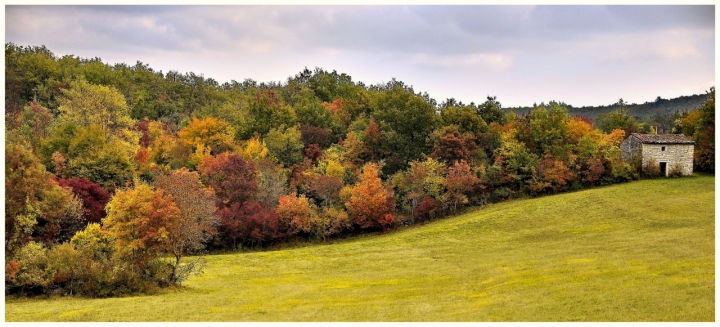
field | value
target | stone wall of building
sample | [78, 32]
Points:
[630, 147]
[673, 155]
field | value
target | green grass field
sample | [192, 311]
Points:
[643, 251]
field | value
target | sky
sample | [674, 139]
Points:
[583, 55]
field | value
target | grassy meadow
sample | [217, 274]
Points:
[642, 251]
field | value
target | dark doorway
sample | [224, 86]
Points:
[663, 168]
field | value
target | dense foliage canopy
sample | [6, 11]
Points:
[115, 169]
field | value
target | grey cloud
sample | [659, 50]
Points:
[646, 17]
[143, 10]
[544, 42]
[399, 29]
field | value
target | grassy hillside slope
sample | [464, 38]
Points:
[643, 251]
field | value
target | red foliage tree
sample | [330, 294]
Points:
[262, 223]
[310, 134]
[142, 126]
[313, 152]
[234, 180]
[250, 222]
[94, 198]
[594, 170]
[373, 145]
[459, 182]
[424, 209]
[551, 175]
[452, 147]
[326, 188]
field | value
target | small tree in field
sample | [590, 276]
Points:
[198, 221]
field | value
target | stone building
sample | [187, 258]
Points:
[670, 151]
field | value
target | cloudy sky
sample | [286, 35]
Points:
[581, 55]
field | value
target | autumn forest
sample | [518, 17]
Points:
[118, 178]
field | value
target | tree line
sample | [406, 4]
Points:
[116, 174]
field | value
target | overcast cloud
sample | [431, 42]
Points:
[582, 55]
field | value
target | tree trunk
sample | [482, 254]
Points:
[173, 278]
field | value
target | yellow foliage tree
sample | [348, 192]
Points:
[578, 128]
[212, 133]
[87, 104]
[254, 149]
[615, 137]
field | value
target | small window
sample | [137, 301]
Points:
[662, 149]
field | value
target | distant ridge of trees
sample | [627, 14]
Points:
[643, 111]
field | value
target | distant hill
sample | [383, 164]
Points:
[643, 111]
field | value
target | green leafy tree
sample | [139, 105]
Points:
[265, 111]
[422, 179]
[309, 110]
[406, 121]
[31, 74]
[285, 145]
[620, 118]
[466, 118]
[99, 160]
[30, 126]
[491, 111]
[516, 161]
[705, 136]
[30, 272]
[549, 129]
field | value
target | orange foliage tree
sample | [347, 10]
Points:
[551, 176]
[371, 204]
[295, 214]
[142, 221]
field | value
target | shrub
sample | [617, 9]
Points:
[63, 263]
[675, 170]
[622, 173]
[500, 194]
[335, 222]
[31, 275]
[425, 209]
[651, 169]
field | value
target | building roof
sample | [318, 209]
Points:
[663, 138]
